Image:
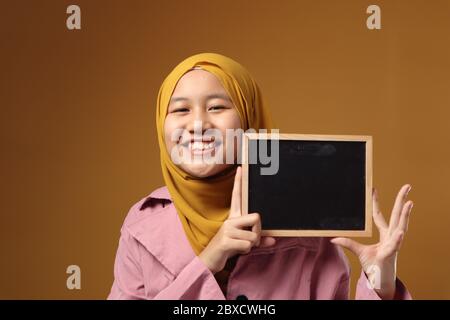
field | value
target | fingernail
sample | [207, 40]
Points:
[409, 189]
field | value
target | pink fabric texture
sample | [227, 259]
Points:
[154, 260]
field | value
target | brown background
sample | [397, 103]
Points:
[77, 125]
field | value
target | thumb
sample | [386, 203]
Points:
[267, 242]
[349, 244]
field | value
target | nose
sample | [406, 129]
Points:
[199, 122]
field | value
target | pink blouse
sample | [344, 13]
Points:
[155, 261]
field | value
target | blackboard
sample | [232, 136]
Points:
[321, 185]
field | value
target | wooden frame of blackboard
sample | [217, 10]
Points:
[367, 232]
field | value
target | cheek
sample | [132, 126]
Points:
[169, 128]
[230, 121]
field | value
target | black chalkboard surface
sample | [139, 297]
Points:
[308, 185]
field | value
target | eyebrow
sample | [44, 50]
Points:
[208, 97]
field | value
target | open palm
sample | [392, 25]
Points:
[379, 260]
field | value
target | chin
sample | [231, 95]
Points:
[204, 170]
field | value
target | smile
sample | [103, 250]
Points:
[201, 146]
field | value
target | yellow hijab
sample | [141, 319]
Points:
[203, 203]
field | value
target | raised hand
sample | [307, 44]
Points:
[233, 237]
[379, 260]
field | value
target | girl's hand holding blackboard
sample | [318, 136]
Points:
[237, 235]
[379, 260]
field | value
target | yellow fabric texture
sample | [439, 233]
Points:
[203, 203]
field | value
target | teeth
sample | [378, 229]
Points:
[198, 145]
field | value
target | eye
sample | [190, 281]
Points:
[217, 108]
[180, 110]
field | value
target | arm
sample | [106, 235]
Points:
[195, 281]
[364, 291]
[128, 278]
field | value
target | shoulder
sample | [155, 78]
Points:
[149, 205]
[151, 232]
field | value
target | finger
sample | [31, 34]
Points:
[395, 242]
[247, 220]
[399, 202]
[239, 234]
[235, 208]
[267, 242]
[404, 219]
[398, 240]
[257, 229]
[241, 246]
[378, 217]
[349, 244]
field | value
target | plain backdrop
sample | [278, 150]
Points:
[78, 131]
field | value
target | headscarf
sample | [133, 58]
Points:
[204, 203]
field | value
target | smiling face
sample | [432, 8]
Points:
[202, 110]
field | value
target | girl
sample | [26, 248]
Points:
[188, 240]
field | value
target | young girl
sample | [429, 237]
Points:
[188, 240]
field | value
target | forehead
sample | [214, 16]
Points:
[198, 82]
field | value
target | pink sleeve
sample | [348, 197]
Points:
[194, 282]
[364, 292]
[128, 279]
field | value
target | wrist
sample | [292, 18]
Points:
[386, 292]
[384, 287]
[206, 261]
